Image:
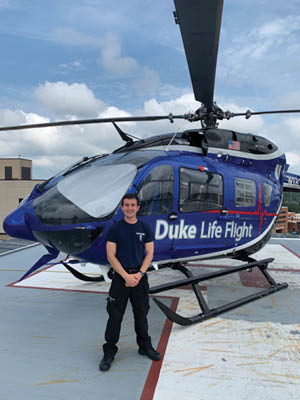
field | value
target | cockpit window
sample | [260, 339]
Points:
[97, 190]
[92, 192]
[137, 158]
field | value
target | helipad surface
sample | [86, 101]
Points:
[51, 338]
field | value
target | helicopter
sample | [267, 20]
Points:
[206, 192]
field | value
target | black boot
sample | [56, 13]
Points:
[150, 352]
[106, 361]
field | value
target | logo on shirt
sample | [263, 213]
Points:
[140, 234]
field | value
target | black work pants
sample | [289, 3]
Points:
[116, 306]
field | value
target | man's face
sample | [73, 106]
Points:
[130, 208]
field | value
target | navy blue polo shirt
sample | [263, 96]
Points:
[130, 240]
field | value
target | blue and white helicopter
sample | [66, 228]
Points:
[206, 192]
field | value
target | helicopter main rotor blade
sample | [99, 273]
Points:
[170, 117]
[200, 22]
[249, 113]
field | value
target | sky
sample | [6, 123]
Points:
[78, 59]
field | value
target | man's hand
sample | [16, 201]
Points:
[132, 279]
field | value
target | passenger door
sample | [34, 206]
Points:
[156, 194]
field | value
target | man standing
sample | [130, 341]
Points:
[129, 251]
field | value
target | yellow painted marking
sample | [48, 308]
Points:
[69, 273]
[217, 383]
[14, 270]
[291, 310]
[218, 351]
[272, 376]
[277, 351]
[194, 370]
[44, 337]
[297, 377]
[274, 303]
[213, 323]
[253, 363]
[255, 343]
[55, 381]
[224, 342]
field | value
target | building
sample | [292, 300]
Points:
[287, 221]
[282, 220]
[15, 184]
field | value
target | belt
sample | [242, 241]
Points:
[132, 270]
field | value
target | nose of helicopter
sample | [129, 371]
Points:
[15, 225]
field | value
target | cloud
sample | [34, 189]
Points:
[293, 159]
[279, 27]
[290, 100]
[253, 125]
[143, 80]
[186, 103]
[64, 99]
[76, 65]
[70, 36]
[53, 149]
[257, 57]
[148, 82]
[112, 60]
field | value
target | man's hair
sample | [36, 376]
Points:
[131, 196]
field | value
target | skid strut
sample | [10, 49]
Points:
[207, 313]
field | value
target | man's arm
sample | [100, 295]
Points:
[149, 249]
[111, 251]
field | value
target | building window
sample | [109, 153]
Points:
[8, 173]
[200, 190]
[156, 192]
[245, 193]
[25, 173]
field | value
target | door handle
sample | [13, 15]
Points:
[223, 214]
[172, 216]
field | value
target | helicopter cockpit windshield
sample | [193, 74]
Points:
[100, 188]
[92, 192]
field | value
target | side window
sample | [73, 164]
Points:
[156, 192]
[8, 173]
[267, 194]
[200, 190]
[245, 192]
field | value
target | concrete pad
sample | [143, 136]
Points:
[251, 352]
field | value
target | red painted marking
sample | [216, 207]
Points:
[230, 266]
[189, 287]
[210, 266]
[58, 289]
[34, 273]
[260, 207]
[153, 375]
[284, 269]
[259, 211]
[255, 278]
[295, 254]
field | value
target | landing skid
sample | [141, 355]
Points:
[207, 313]
[81, 276]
